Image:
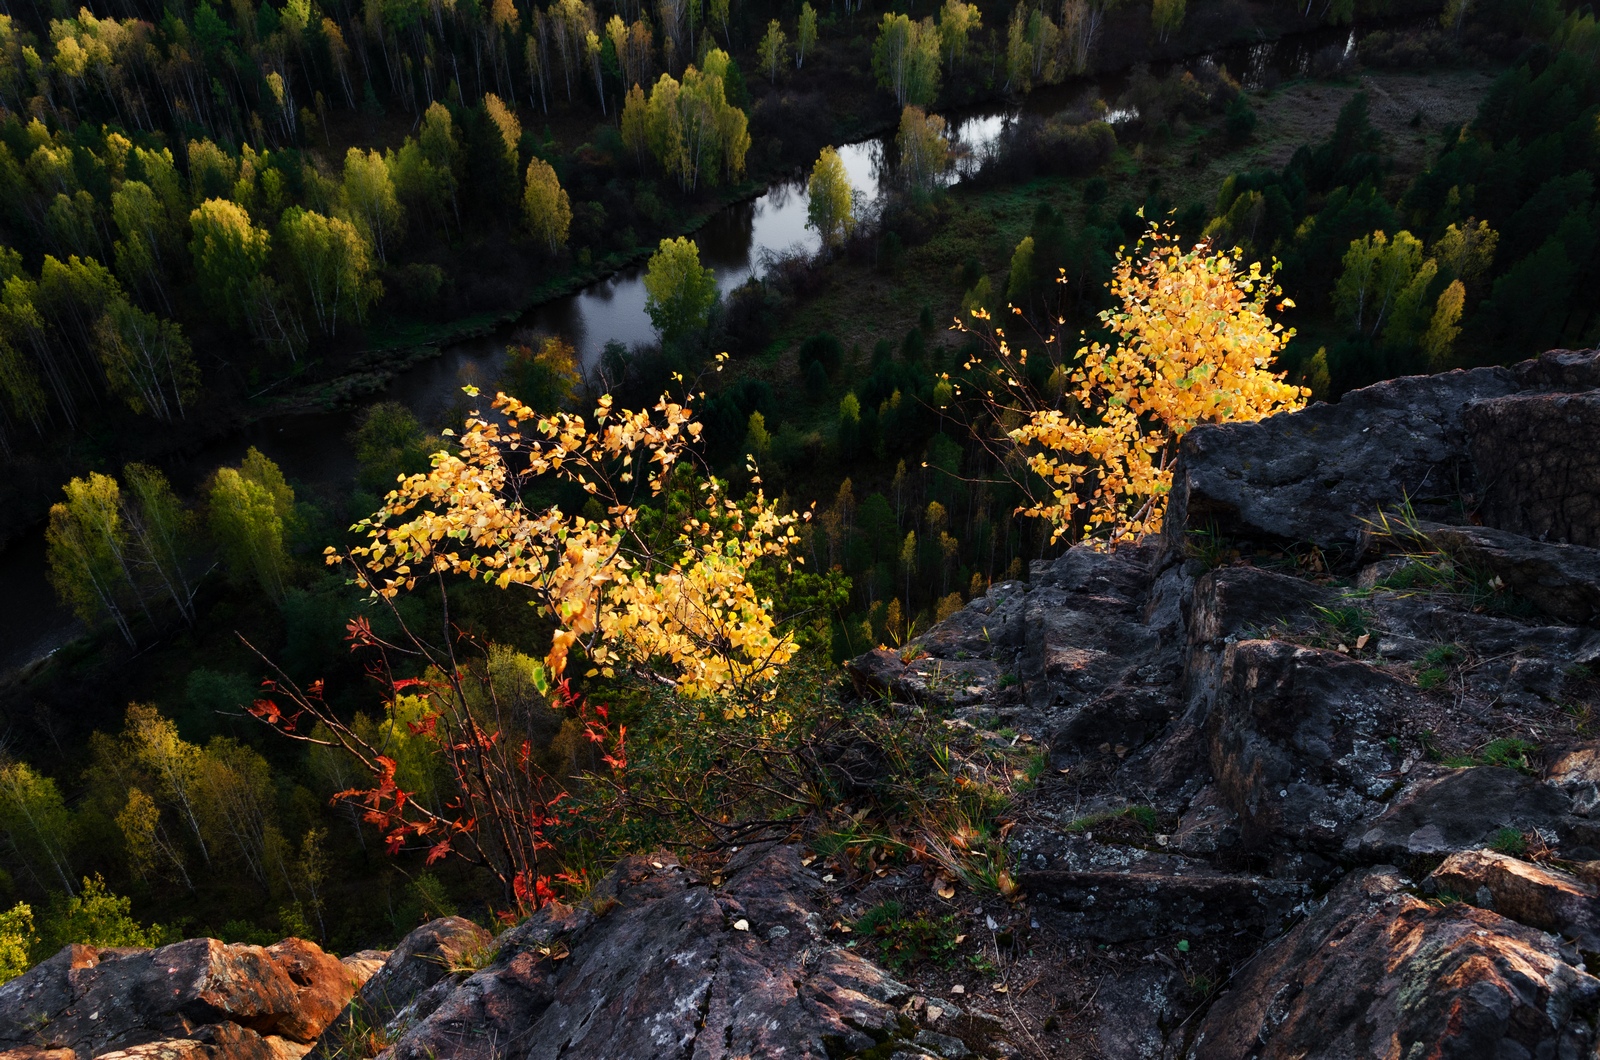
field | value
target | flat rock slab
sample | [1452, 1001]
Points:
[1561, 580]
[1459, 809]
[1318, 475]
[1378, 972]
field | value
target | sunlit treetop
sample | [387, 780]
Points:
[687, 610]
[1193, 343]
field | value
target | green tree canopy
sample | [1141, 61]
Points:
[924, 150]
[831, 210]
[545, 206]
[35, 826]
[370, 197]
[906, 59]
[230, 255]
[543, 378]
[773, 51]
[327, 260]
[250, 506]
[147, 361]
[679, 290]
[86, 547]
[807, 38]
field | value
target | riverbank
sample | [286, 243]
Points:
[852, 110]
[370, 371]
[374, 368]
[308, 420]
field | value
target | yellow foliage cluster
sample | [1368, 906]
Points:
[1193, 344]
[615, 597]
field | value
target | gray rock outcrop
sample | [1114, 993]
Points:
[660, 963]
[1373, 737]
[1352, 763]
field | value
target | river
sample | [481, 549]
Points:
[313, 449]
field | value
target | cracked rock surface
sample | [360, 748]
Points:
[660, 963]
[1336, 800]
[1306, 790]
[199, 999]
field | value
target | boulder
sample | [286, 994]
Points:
[219, 1041]
[393, 995]
[1317, 476]
[1135, 1011]
[235, 998]
[1560, 370]
[1447, 810]
[1576, 775]
[1299, 742]
[876, 672]
[1561, 580]
[1207, 826]
[1085, 629]
[1537, 467]
[364, 964]
[1226, 605]
[1539, 897]
[1231, 603]
[659, 964]
[1379, 972]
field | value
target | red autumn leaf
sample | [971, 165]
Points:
[266, 710]
[437, 851]
[359, 632]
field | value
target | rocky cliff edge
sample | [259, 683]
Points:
[1321, 780]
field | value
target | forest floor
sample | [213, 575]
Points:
[1417, 113]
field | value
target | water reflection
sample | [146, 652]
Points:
[314, 450]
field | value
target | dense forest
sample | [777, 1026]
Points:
[213, 213]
